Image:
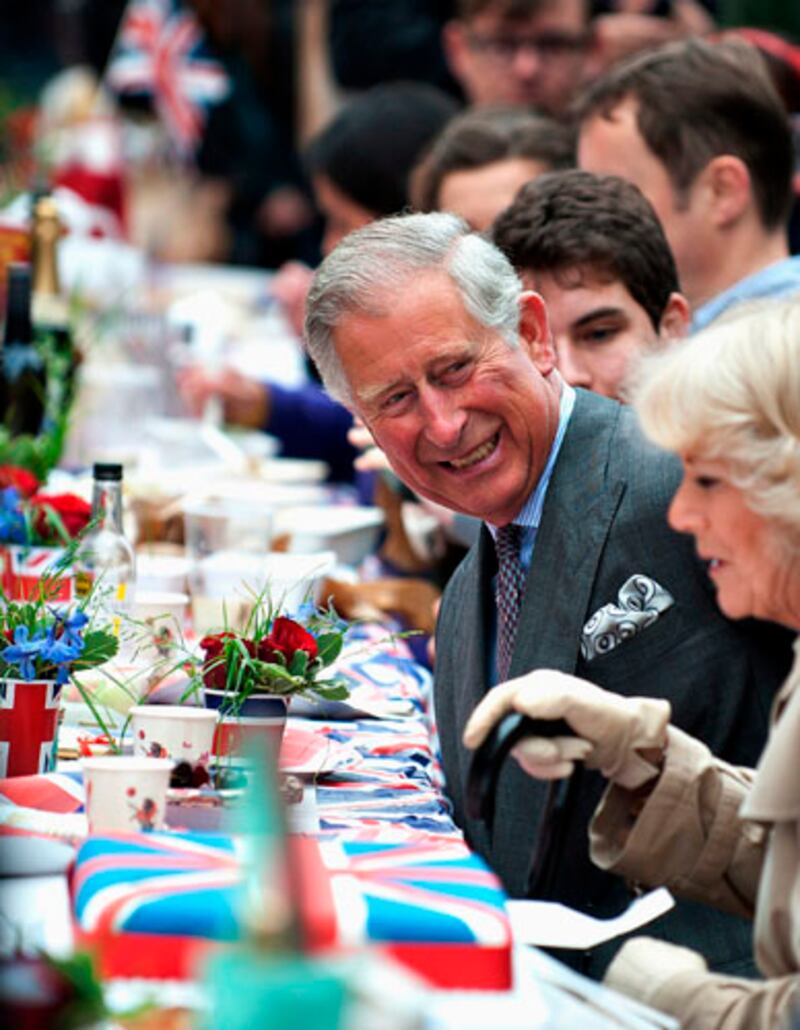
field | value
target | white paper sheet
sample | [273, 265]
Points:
[548, 924]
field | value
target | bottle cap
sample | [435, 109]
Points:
[107, 471]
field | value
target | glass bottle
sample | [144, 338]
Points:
[49, 309]
[105, 566]
[23, 369]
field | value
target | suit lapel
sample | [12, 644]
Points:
[579, 509]
[470, 630]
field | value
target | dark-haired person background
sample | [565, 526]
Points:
[483, 156]
[592, 248]
[359, 166]
[529, 53]
[700, 129]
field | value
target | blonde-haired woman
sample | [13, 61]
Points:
[728, 402]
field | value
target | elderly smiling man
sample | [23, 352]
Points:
[424, 330]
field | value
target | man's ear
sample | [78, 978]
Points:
[675, 318]
[534, 332]
[729, 188]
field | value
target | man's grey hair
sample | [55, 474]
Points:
[366, 273]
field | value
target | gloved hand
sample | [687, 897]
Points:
[643, 965]
[622, 737]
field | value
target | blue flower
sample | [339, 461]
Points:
[9, 499]
[24, 651]
[73, 626]
[13, 529]
[63, 650]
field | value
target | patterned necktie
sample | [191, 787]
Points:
[510, 586]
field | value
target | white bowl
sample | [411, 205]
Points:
[350, 532]
[293, 470]
[159, 572]
[290, 578]
[254, 492]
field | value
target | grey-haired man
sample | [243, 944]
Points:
[424, 330]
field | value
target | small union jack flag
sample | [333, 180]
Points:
[160, 51]
[28, 716]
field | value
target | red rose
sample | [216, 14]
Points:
[286, 637]
[215, 671]
[21, 479]
[73, 511]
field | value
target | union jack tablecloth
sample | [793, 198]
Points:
[390, 865]
[152, 903]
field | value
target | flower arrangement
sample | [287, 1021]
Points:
[45, 643]
[274, 654]
[35, 519]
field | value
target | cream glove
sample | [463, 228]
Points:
[610, 731]
[643, 965]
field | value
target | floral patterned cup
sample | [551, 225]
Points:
[125, 793]
[178, 732]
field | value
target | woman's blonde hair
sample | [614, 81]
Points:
[732, 393]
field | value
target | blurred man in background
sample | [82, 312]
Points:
[700, 129]
[525, 52]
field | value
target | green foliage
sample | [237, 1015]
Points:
[38, 454]
[41, 453]
[99, 647]
[85, 1004]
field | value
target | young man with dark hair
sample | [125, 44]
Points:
[593, 248]
[483, 156]
[700, 129]
[523, 52]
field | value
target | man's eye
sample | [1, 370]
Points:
[599, 334]
[706, 482]
[394, 400]
[455, 371]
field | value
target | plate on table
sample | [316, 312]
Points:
[308, 753]
[82, 742]
[34, 855]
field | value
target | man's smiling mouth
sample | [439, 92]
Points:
[479, 454]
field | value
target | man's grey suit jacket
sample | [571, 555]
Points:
[604, 519]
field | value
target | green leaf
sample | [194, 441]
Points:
[88, 700]
[87, 1005]
[331, 690]
[272, 672]
[99, 647]
[329, 647]
[299, 663]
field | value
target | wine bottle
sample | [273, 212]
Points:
[49, 309]
[24, 373]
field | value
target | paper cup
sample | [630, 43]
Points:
[126, 794]
[178, 732]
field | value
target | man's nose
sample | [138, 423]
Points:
[444, 418]
[571, 366]
[527, 62]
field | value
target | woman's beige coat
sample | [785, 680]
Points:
[729, 837]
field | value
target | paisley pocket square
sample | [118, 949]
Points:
[639, 603]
